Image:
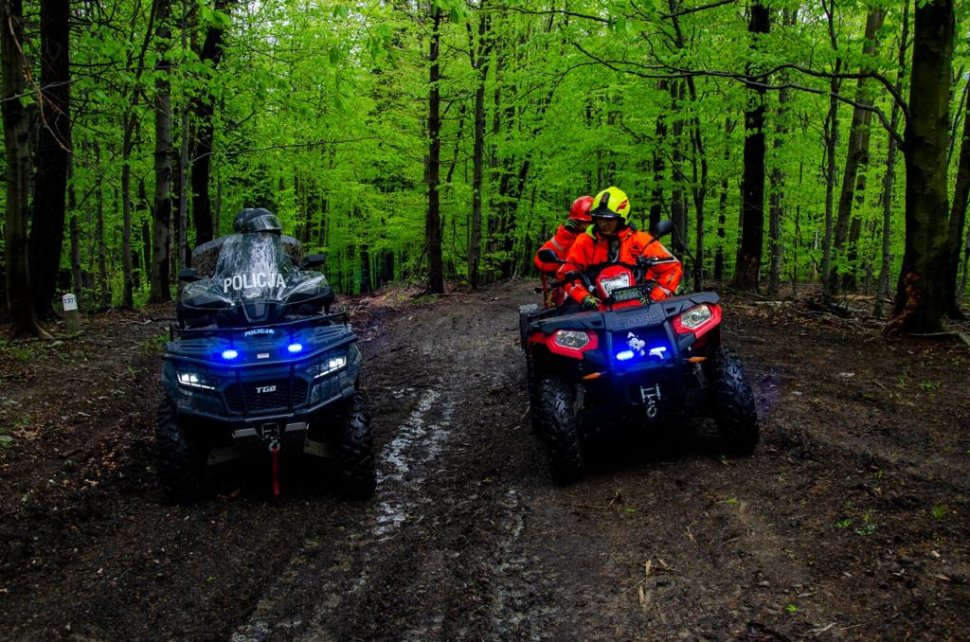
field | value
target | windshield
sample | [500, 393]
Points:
[253, 266]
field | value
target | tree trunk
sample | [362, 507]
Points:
[478, 155]
[920, 299]
[882, 291]
[748, 265]
[958, 217]
[53, 154]
[659, 167]
[76, 273]
[203, 109]
[162, 219]
[722, 208]
[857, 158]
[776, 201]
[436, 283]
[678, 200]
[16, 133]
[127, 295]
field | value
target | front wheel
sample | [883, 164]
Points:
[559, 429]
[181, 462]
[734, 408]
[355, 452]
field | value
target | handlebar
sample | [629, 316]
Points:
[589, 274]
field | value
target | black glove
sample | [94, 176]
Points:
[590, 302]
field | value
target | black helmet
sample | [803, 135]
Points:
[257, 219]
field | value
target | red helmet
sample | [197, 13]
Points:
[580, 209]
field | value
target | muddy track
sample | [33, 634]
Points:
[849, 522]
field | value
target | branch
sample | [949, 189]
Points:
[674, 73]
[563, 12]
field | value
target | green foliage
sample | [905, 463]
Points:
[321, 115]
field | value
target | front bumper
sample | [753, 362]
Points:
[252, 407]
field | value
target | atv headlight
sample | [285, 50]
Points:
[574, 339]
[195, 380]
[615, 283]
[696, 317]
[328, 366]
[699, 320]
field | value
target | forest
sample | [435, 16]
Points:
[441, 142]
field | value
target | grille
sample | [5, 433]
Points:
[260, 402]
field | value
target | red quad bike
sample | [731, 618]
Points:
[634, 359]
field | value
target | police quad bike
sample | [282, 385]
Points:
[632, 359]
[257, 365]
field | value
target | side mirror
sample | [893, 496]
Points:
[314, 260]
[663, 228]
[188, 274]
[548, 256]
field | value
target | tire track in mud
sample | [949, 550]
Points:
[403, 466]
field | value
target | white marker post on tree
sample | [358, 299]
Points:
[71, 314]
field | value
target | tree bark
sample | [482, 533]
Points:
[162, 210]
[889, 178]
[481, 63]
[920, 300]
[203, 110]
[20, 302]
[958, 217]
[53, 154]
[748, 265]
[436, 284]
[722, 208]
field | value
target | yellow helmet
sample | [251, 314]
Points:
[611, 203]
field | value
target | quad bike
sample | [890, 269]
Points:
[257, 365]
[633, 359]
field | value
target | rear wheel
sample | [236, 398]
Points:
[181, 462]
[559, 429]
[355, 450]
[734, 408]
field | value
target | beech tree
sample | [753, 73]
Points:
[53, 153]
[16, 132]
[920, 291]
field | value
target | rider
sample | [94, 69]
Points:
[613, 239]
[257, 219]
[566, 234]
[561, 241]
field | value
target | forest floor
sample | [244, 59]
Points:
[850, 521]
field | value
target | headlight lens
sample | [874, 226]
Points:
[696, 317]
[574, 339]
[195, 380]
[328, 365]
[615, 282]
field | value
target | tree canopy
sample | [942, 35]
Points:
[445, 140]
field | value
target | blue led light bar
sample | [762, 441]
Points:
[229, 354]
[294, 348]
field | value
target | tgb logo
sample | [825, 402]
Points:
[260, 390]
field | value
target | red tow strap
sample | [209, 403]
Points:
[274, 451]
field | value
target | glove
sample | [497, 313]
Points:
[590, 302]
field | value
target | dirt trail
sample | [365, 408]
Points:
[849, 522]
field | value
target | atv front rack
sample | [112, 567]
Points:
[213, 330]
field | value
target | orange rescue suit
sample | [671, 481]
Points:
[592, 249]
[560, 243]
